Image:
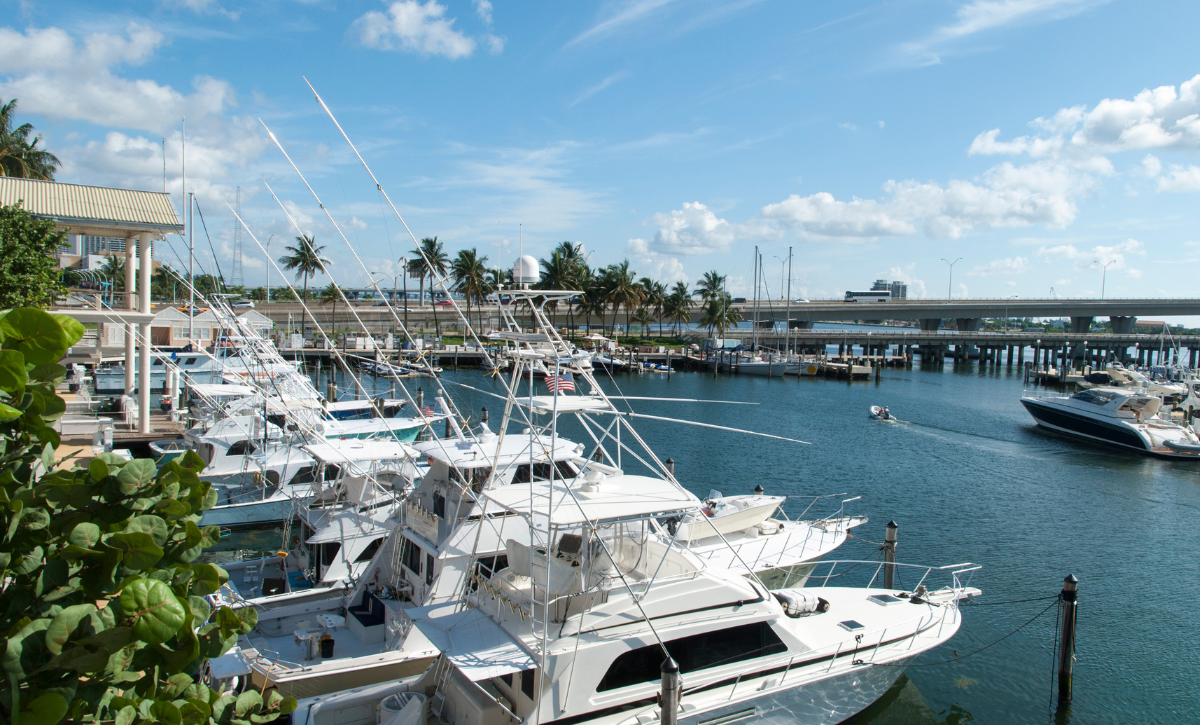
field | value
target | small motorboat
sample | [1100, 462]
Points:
[881, 413]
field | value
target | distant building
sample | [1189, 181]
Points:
[898, 289]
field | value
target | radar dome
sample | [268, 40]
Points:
[526, 270]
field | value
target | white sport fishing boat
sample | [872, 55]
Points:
[1120, 417]
[587, 561]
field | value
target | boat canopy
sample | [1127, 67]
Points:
[565, 403]
[597, 498]
[477, 646]
[358, 450]
[217, 390]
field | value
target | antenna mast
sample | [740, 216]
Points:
[235, 275]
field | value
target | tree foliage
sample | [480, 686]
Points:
[102, 602]
[29, 273]
[19, 156]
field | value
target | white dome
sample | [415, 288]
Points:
[526, 270]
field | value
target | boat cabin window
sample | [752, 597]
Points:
[158, 361]
[241, 448]
[429, 569]
[473, 477]
[190, 361]
[527, 683]
[308, 474]
[439, 505]
[541, 472]
[369, 552]
[410, 556]
[697, 652]
[329, 552]
[1095, 397]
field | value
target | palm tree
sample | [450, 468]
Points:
[592, 302]
[621, 289]
[470, 275]
[429, 260]
[306, 259]
[711, 286]
[642, 316]
[18, 156]
[678, 307]
[655, 296]
[720, 314]
[332, 293]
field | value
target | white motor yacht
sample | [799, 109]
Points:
[1119, 417]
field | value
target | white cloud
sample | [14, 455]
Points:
[483, 8]
[593, 90]
[1007, 266]
[652, 264]
[622, 14]
[1163, 118]
[881, 124]
[962, 291]
[205, 7]
[1150, 167]
[495, 43]
[410, 26]
[694, 229]
[1180, 178]
[1091, 258]
[63, 77]
[1009, 196]
[1132, 274]
[983, 15]
[848, 126]
[916, 287]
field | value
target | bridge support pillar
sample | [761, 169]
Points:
[1081, 325]
[931, 325]
[1123, 325]
[800, 324]
[968, 324]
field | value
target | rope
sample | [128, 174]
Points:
[970, 654]
[1054, 663]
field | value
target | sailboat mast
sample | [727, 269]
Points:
[787, 316]
[754, 323]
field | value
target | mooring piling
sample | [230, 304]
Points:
[672, 684]
[889, 555]
[1068, 603]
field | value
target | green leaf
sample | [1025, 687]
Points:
[248, 702]
[156, 612]
[85, 535]
[12, 371]
[73, 329]
[7, 412]
[48, 708]
[101, 575]
[125, 716]
[109, 640]
[135, 474]
[200, 607]
[166, 713]
[208, 578]
[152, 525]
[48, 373]
[248, 617]
[98, 469]
[140, 551]
[36, 334]
[64, 624]
[53, 407]
[195, 712]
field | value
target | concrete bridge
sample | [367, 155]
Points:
[969, 314]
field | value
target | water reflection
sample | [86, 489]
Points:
[903, 704]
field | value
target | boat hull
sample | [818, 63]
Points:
[766, 370]
[1094, 430]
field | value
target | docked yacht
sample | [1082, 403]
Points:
[1120, 417]
[769, 365]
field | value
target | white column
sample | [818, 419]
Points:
[147, 271]
[130, 304]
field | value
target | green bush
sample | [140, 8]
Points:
[101, 602]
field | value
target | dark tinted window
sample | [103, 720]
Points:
[369, 552]
[241, 448]
[439, 505]
[527, 683]
[698, 652]
[329, 553]
[410, 556]
[541, 472]
[429, 568]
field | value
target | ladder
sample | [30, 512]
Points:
[437, 703]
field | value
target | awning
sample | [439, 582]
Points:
[477, 646]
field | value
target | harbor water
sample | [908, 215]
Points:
[968, 477]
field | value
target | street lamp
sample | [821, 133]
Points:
[950, 284]
[404, 272]
[1104, 274]
[395, 282]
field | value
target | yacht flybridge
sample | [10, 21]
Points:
[1121, 417]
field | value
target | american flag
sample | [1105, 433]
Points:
[560, 383]
[428, 411]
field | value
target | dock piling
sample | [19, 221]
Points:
[1068, 602]
[668, 700]
[889, 555]
[670, 466]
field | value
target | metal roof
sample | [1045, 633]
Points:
[92, 206]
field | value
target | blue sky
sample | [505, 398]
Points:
[1031, 138]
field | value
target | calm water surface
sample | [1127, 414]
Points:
[968, 478]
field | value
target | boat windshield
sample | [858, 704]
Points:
[1095, 397]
